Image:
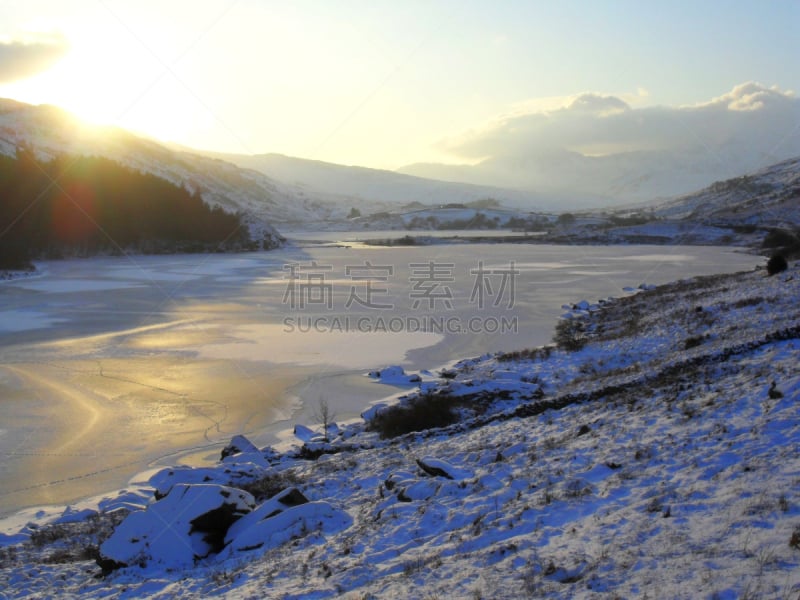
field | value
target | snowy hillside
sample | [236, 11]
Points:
[758, 210]
[652, 451]
[769, 197]
[380, 187]
[51, 131]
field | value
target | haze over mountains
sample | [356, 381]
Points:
[538, 162]
[391, 187]
[602, 146]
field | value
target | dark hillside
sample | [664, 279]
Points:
[80, 206]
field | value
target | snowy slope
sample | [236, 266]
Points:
[645, 455]
[51, 131]
[769, 197]
[381, 187]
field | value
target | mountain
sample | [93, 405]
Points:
[768, 197]
[380, 188]
[51, 132]
[271, 190]
[628, 177]
[603, 146]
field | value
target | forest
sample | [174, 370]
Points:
[87, 205]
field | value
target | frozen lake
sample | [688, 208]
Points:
[109, 366]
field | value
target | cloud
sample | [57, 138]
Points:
[603, 149]
[20, 59]
[596, 124]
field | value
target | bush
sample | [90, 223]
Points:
[776, 264]
[693, 342]
[570, 334]
[274, 483]
[794, 540]
[426, 411]
[779, 238]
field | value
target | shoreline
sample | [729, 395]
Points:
[640, 433]
[454, 348]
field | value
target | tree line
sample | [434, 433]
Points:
[85, 205]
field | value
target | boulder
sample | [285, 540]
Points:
[303, 433]
[188, 524]
[439, 468]
[284, 517]
[395, 375]
[164, 480]
[238, 445]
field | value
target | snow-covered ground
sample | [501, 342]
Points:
[647, 455]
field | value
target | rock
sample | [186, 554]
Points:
[279, 528]
[420, 490]
[280, 502]
[164, 480]
[303, 433]
[582, 305]
[72, 515]
[373, 411]
[188, 524]
[285, 516]
[398, 478]
[388, 372]
[238, 445]
[439, 468]
[395, 375]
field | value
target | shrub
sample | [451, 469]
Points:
[422, 412]
[778, 238]
[693, 342]
[570, 334]
[776, 264]
[794, 541]
[75, 542]
[274, 483]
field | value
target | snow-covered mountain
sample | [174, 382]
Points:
[266, 202]
[652, 451]
[395, 189]
[603, 146]
[758, 210]
[629, 177]
[768, 197]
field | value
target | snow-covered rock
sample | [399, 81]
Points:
[395, 375]
[287, 515]
[188, 524]
[439, 468]
[303, 433]
[164, 480]
[646, 468]
[238, 445]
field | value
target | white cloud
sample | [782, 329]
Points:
[595, 124]
[612, 146]
[23, 58]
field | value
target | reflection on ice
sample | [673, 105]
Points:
[316, 346]
[160, 354]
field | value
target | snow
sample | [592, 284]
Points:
[164, 535]
[263, 529]
[653, 461]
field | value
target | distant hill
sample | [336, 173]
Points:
[757, 210]
[84, 205]
[768, 197]
[379, 188]
[52, 132]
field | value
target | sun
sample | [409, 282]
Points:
[118, 82]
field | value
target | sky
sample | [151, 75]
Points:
[386, 84]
